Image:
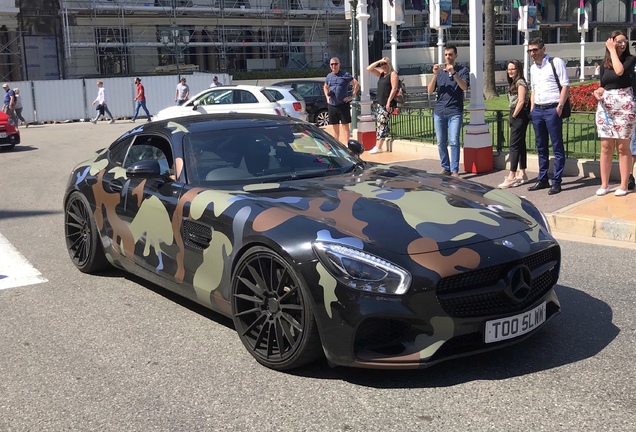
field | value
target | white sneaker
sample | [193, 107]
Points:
[111, 121]
[94, 121]
[132, 121]
[375, 150]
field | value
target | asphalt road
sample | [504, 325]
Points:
[114, 353]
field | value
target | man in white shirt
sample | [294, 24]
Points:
[182, 93]
[216, 82]
[546, 103]
[101, 104]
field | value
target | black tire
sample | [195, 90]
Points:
[322, 118]
[272, 312]
[82, 238]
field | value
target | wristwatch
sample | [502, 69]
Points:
[454, 73]
[560, 107]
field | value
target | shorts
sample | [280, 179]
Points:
[339, 114]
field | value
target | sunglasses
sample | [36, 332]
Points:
[621, 42]
[382, 64]
[334, 64]
[533, 50]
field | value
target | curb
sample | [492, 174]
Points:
[580, 219]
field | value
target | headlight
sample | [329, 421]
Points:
[362, 271]
[10, 121]
[536, 214]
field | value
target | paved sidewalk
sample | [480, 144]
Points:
[576, 210]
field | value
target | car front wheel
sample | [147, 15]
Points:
[82, 238]
[272, 312]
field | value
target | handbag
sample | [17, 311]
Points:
[567, 106]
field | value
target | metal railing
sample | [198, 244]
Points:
[579, 132]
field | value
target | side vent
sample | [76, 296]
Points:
[196, 235]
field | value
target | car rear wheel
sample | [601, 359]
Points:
[272, 312]
[82, 238]
[322, 118]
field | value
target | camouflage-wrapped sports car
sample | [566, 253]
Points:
[310, 250]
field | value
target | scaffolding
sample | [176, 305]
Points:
[123, 37]
[10, 47]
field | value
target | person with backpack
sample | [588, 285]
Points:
[548, 101]
[519, 99]
[388, 83]
[615, 114]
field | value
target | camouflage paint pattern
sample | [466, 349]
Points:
[433, 226]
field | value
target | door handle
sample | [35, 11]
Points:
[116, 186]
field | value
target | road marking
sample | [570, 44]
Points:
[15, 270]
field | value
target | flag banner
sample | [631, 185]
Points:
[515, 9]
[463, 7]
[445, 13]
[582, 13]
[532, 18]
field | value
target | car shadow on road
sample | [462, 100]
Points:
[582, 330]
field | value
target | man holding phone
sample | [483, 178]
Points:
[451, 81]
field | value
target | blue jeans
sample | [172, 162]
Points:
[632, 144]
[447, 130]
[547, 122]
[141, 104]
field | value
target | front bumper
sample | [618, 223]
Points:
[435, 321]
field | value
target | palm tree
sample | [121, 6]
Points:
[490, 90]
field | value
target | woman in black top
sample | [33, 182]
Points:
[615, 114]
[387, 90]
[519, 100]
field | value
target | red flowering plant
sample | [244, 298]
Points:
[582, 97]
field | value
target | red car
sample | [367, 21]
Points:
[9, 133]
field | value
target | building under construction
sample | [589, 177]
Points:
[53, 39]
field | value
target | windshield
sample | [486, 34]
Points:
[264, 154]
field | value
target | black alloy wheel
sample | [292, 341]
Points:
[82, 238]
[272, 313]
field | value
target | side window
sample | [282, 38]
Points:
[117, 152]
[275, 94]
[151, 148]
[243, 96]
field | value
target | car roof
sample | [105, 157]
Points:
[252, 88]
[212, 122]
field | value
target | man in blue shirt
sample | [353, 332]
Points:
[451, 81]
[338, 99]
[9, 100]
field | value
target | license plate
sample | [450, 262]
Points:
[514, 326]
[3, 134]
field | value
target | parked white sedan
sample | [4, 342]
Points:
[226, 99]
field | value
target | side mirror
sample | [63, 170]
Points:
[195, 105]
[144, 169]
[355, 146]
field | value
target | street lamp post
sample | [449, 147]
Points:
[176, 40]
[350, 14]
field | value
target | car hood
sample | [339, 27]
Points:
[399, 209]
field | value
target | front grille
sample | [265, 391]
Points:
[377, 333]
[481, 292]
